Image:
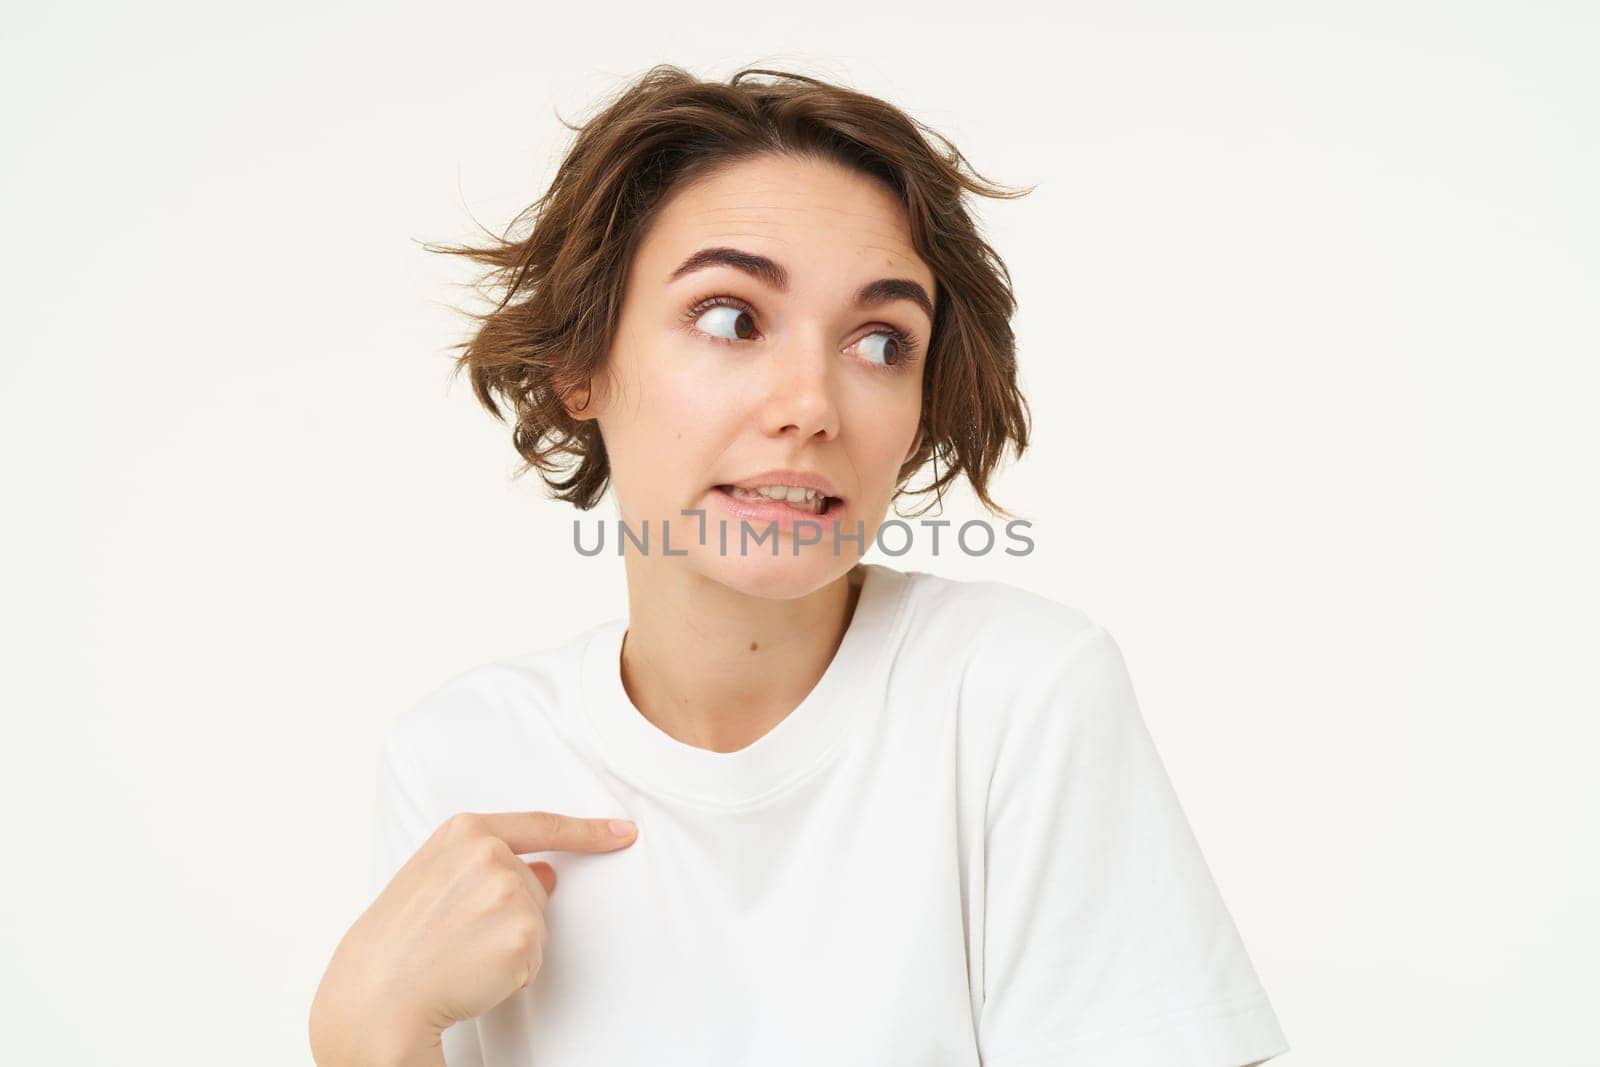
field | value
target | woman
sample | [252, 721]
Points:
[873, 816]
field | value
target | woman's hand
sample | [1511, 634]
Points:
[457, 930]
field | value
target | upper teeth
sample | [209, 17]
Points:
[794, 494]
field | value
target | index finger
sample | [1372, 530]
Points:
[543, 831]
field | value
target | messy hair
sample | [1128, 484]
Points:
[558, 274]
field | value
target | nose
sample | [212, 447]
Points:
[800, 400]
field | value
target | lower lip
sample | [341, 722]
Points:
[767, 511]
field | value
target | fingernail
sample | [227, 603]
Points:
[621, 827]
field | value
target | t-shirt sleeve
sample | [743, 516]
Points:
[403, 820]
[1106, 941]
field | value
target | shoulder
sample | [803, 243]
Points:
[1024, 670]
[481, 705]
[999, 627]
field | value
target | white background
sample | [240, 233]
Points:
[1308, 321]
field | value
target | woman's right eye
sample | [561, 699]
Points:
[739, 323]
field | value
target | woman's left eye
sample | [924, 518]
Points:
[892, 347]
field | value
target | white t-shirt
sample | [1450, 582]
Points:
[961, 848]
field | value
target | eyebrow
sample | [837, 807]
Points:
[773, 274]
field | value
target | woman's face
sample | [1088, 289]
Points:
[763, 344]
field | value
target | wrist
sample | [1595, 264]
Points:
[345, 1037]
[413, 1050]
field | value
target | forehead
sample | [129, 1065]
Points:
[813, 216]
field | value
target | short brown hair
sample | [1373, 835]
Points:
[560, 285]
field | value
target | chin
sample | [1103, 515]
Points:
[781, 577]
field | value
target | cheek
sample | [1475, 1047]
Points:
[881, 424]
[685, 387]
[667, 428]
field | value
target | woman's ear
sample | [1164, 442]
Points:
[576, 401]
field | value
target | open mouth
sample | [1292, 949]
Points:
[770, 500]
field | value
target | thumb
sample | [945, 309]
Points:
[545, 873]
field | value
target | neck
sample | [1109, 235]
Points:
[716, 668]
